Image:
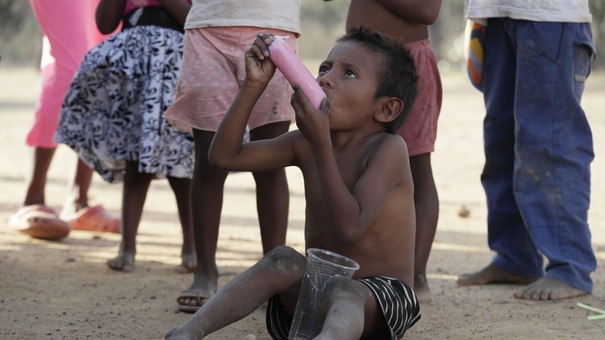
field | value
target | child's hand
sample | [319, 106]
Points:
[259, 68]
[313, 124]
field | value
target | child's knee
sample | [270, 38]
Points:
[286, 260]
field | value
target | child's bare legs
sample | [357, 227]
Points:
[77, 189]
[77, 186]
[427, 215]
[279, 271]
[37, 181]
[272, 194]
[343, 301]
[134, 194]
[206, 204]
[181, 188]
[208, 182]
[351, 312]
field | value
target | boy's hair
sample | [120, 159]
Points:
[398, 77]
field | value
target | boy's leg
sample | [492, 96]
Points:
[272, 193]
[181, 188]
[426, 201]
[517, 260]
[553, 154]
[346, 303]
[369, 308]
[206, 204]
[134, 193]
[277, 272]
[420, 134]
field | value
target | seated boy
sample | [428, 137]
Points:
[358, 189]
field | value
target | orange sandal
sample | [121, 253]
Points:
[39, 221]
[95, 219]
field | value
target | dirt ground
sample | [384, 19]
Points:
[64, 290]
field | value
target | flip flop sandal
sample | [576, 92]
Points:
[95, 219]
[39, 221]
[191, 294]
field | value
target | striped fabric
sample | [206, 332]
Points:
[278, 319]
[396, 300]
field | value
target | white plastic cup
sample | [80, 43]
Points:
[288, 63]
[322, 265]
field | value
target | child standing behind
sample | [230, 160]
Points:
[65, 43]
[408, 22]
[217, 34]
[358, 189]
[113, 113]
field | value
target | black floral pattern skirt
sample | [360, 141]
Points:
[114, 109]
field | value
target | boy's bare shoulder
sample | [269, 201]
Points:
[393, 143]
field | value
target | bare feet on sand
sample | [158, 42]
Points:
[421, 289]
[123, 262]
[548, 288]
[545, 288]
[492, 274]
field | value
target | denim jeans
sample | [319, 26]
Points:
[538, 148]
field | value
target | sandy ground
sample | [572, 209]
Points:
[64, 290]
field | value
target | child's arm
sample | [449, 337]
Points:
[109, 15]
[352, 207]
[227, 151]
[420, 11]
[177, 8]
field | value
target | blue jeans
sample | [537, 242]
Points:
[538, 149]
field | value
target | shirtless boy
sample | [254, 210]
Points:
[358, 188]
[408, 22]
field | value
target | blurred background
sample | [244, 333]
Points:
[322, 23]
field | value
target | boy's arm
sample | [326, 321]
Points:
[227, 151]
[420, 11]
[351, 210]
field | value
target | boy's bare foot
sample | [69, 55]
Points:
[123, 262]
[492, 274]
[421, 288]
[250, 337]
[188, 264]
[548, 288]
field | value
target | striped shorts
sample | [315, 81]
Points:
[396, 300]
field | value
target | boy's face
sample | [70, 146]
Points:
[349, 76]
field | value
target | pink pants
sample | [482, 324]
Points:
[69, 30]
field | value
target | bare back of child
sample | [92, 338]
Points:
[358, 189]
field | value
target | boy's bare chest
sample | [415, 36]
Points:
[351, 166]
